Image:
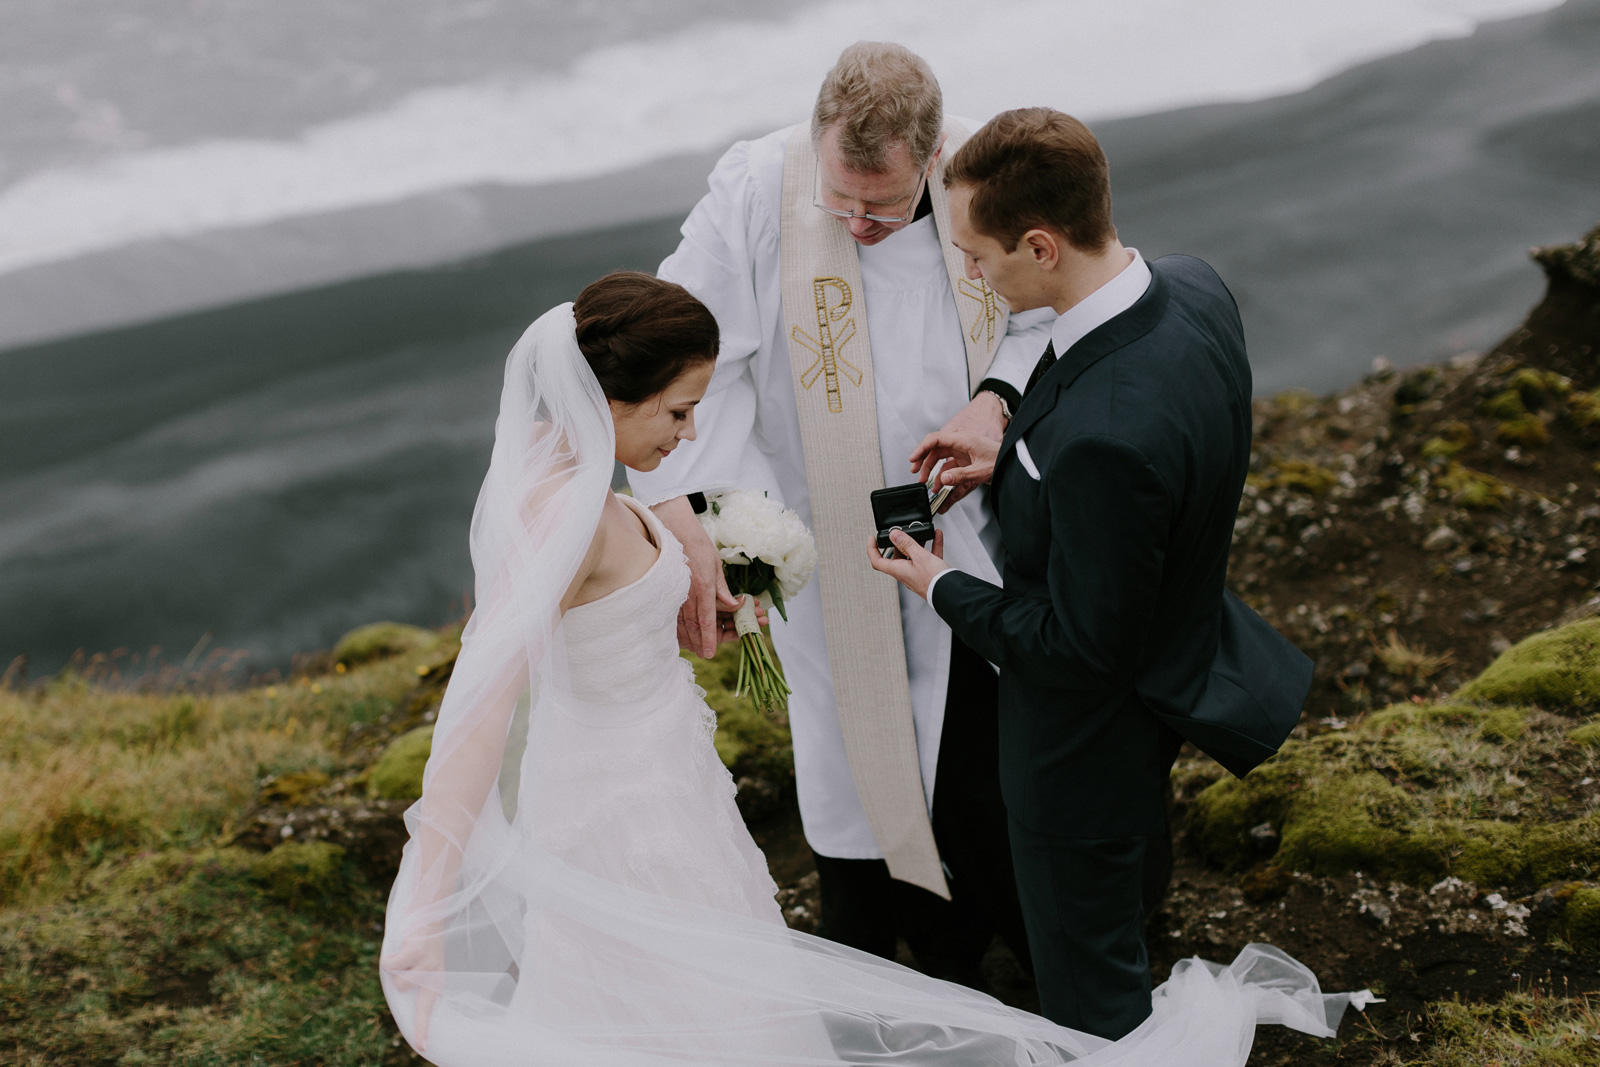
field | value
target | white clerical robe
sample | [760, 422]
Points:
[748, 436]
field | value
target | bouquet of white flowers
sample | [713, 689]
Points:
[767, 553]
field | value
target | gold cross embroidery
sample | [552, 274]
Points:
[827, 343]
[988, 302]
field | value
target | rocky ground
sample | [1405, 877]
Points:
[1404, 531]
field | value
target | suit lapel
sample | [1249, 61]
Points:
[1100, 342]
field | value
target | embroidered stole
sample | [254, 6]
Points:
[831, 360]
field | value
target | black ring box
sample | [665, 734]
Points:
[905, 506]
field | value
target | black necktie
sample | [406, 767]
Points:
[1046, 361]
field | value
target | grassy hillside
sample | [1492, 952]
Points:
[195, 874]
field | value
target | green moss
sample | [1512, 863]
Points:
[1484, 851]
[1504, 724]
[382, 639]
[185, 957]
[1397, 717]
[1525, 1028]
[1389, 720]
[398, 773]
[1451, 714]
[1412, 792]
[1558, 670]
[1222, 815]
[1359, 822]
[310, 874]
[1583, 410]
[1581, 920]
[1299, 476]
[1587, 735]
[1529, 431]
[91, 828]
[1474, 489]
[1564, 850]
[294, 789]
[1506, 405]
[1294, 401]
[1537, 386]
[1449, 439]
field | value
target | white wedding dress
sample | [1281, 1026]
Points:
[595, 898]
[627, 785]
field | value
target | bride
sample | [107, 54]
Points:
[578, 887]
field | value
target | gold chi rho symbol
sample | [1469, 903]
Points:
[989, 310]
[828, 341]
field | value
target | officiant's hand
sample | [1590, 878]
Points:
[969, 461]
[700, 629]
[913, 565]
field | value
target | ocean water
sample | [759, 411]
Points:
[161, 125]
[259, 268]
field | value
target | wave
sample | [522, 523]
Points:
[624, 105]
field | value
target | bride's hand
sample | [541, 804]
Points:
[410, 968]
[698, 626]
[969, 461]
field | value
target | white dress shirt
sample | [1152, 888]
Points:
[1074, 324]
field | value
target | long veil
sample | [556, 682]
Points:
[497, 951]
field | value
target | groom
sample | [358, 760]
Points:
[1116, 487]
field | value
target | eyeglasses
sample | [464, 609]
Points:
[911, 210]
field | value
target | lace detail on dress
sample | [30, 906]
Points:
[708, 717]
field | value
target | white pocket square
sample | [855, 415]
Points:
[1024, 458]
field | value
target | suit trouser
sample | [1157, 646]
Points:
[864, 908]
[1083, 901]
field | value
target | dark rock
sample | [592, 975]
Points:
[758, 798]
[1266, 882]
[1376, 912]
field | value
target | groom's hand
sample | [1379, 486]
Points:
[969, 461]
[913, 565]
[699, 629]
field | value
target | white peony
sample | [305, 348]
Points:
[747, 525]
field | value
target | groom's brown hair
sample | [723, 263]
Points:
[1036, 168]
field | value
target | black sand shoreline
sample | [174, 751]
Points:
[276, 471]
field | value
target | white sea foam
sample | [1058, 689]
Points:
[624, 105]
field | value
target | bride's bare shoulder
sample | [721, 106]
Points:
[592, 559]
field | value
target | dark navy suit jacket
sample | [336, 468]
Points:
[1113, 627]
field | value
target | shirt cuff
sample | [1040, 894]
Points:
[1012, 365]
[1003, 389]
[928, 595]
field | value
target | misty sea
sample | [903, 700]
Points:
[260, 265]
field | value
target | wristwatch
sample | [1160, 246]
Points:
[1005, 405]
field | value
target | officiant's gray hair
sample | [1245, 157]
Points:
[880, 94]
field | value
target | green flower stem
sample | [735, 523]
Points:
[759, 673]
[761, 677]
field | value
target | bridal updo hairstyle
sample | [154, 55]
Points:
[1035, 168]
[639, 333]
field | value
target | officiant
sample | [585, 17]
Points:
[849, 331]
